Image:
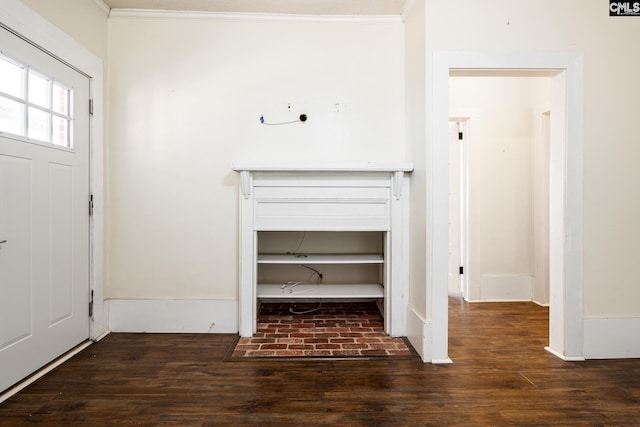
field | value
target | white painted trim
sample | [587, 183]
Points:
[102, 5]
[187, 316]
[476, 301]
[23, 20]
[419, 335]
[563, 357]
[416, 329]
[101, 337]
[566, 324]
[227, 16]
[393, 222]
[44, 371]
[408, 4]
[612, 338]
[321, 167]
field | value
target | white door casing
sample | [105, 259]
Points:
[541, 207]
[44, 221]
[455, 205]
[566, 217]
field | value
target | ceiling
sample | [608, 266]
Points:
[297, 7]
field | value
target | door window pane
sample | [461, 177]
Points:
[11, 116]
[60, 99]
[39, 90]
[34, 105]
[39, 125]
[60, 131]
[11, 78]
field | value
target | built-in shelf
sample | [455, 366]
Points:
[320, 259]
[323, 291]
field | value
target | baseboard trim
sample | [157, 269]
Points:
[417, 330]
[442, 361]
[563, 357]
[612, 338]
[98, 338]
[167, 316]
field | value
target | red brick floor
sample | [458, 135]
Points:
[335, 330]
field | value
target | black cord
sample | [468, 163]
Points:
[292, 311]
[320, 277]
[302, 118]
[295, 251]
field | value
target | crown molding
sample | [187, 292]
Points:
[102, 5]
[224, 16]
[405, 10]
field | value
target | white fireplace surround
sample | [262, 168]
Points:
[327, 197]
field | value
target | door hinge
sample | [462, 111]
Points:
[91, 305]
[91, 205]
[91, 107]
[461, 270]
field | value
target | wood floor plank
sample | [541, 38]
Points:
[501, 375]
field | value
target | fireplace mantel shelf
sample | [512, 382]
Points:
[322, 167]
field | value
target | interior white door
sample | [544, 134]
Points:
[44, 218]
[455, 216]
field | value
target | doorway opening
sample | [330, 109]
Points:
[565, 72]
[498, 188]
[498, 203]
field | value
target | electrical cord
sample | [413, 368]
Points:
[302, 118]
[320, 276]
[292, 311]
[291, 285]
[295, 251]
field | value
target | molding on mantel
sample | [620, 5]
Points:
[322, 167]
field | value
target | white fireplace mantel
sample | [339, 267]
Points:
[327, 197]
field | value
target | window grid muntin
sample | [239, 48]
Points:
[26, 104]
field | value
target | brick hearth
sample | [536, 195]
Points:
[335, 330]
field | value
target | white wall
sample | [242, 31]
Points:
[186, 97]
[500, 143]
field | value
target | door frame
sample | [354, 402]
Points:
[566, 187]
[462, 194]
[21, 19]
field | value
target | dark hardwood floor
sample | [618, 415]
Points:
[501, 375]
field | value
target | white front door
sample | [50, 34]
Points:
[44, 219]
